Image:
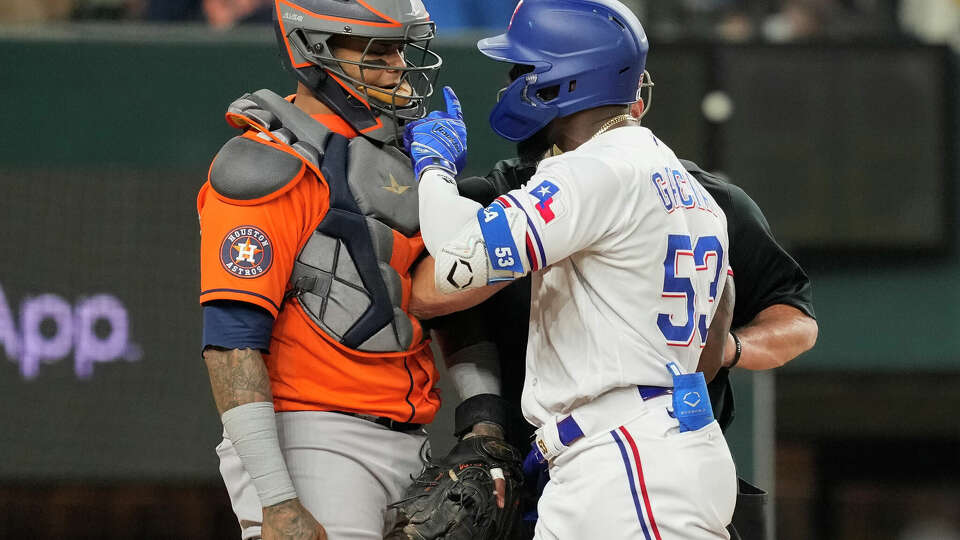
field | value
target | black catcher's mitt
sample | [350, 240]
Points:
[472, 494]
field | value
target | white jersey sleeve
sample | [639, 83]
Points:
[451, 230]
[571, 204]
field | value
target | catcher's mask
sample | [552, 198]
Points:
[305, 29]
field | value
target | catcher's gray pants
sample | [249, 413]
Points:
[345, 469]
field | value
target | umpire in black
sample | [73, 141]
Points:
[773, 318]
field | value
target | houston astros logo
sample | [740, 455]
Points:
[246, 252]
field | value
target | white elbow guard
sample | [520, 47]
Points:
[465, 263]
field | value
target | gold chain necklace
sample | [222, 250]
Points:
[556, 151]
[610, 123]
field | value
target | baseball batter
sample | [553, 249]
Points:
[773, 317]
[629, 255]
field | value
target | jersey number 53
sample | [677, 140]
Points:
[679, 286]
[504, 257]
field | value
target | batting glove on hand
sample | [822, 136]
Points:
[439, 140]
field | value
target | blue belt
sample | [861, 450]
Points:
[650, 392]
[570, 431]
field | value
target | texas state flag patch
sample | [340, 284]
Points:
[549, 207]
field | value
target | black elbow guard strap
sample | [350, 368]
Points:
[481, 408]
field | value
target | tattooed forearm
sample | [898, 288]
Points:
[237, 377]
[288, 520]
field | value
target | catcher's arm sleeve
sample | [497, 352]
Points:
[469, 353]
[241, 390]
[473, 361]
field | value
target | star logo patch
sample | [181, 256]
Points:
[546, 193]
[396, 187]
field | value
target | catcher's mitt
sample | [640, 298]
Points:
[472, 493]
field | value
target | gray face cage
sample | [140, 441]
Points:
[419, 73]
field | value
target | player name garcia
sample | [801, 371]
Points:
[677, 190]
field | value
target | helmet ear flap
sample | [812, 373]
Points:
[294, 48]
[305, 49]
[297, 45]
[304, 45]
[517, 117]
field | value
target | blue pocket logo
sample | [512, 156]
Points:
[691, 399]
[691, 404]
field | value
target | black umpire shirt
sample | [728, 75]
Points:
[765, 275]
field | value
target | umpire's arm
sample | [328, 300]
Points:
[773, 318]
[777, 335]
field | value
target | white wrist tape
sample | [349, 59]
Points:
[252, 428]
[475, 370]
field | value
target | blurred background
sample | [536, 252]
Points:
[839, 117]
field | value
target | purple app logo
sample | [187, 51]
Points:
[96, 330]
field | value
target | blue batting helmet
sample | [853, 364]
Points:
[584, 53]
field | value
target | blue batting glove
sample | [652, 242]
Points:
[439, 140]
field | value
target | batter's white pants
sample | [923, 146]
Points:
[639, 478]
[346, 471]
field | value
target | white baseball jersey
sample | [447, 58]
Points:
[629, 254]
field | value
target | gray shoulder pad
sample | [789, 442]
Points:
[292, 118]
[246, 170]
[283, 120]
